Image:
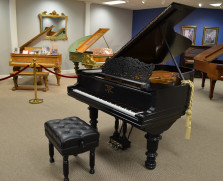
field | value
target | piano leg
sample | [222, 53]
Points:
[76, 66]
[203, 79]
[212, 85]
[93, 117]
[152, 146]
[16, 69]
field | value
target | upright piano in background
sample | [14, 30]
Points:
[78, 53]
[207, 63]
[126, 88]
[187, 58]
[49, 61]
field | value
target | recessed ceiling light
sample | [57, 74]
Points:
[114, 2]
[163, 2]
[216, 4]
[143, 1]
[200, 5]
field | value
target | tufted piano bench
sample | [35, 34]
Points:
[71, 136]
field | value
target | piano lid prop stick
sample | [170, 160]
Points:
[36, 100]
[189, 110]
[174, 60]
[106, 42]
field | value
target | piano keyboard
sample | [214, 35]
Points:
[114, 106]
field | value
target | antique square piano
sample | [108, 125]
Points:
[49, 61]
[133, 85]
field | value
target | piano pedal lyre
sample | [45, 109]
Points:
[116, 140]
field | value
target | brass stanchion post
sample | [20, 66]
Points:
[36, 100]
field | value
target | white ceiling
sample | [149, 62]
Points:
[137, 4]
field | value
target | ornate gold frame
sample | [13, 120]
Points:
[54, 14]
[213, 41]
[194, 28]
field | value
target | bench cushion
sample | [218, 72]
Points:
[71, 135]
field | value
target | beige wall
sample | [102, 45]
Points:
[4, 37]
[28, 25]
[118, 20]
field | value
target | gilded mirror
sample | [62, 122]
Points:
[59, 31]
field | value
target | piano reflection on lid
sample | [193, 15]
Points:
[131, 85]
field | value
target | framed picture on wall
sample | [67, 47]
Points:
[189, 32]
[210, 36]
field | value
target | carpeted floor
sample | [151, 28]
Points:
[24, 147]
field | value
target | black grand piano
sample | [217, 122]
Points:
[134, 87]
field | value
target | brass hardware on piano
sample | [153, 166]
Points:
[146, 94]
[79, 54]
[108, 88]
[115, 144]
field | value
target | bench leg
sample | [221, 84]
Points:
[51, 152]
[15, 80]
[58, 70]
[92, 160]
[39, 82]
[46, 83]
[65, 167]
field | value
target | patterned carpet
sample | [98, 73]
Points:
[24, 147]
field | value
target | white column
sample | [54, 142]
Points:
[13, 24]
[87, 18]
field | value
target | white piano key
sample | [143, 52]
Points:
[114, 106]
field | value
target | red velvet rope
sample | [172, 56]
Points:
[57, 73]
[15, 73]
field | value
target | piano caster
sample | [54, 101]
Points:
[150, 163]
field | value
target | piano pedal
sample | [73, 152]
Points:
[115, 144]
[120, 143]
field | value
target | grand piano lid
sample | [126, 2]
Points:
[36, 39]
[210, 54]
[82, 44]
[149, 46]
[73, 47]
